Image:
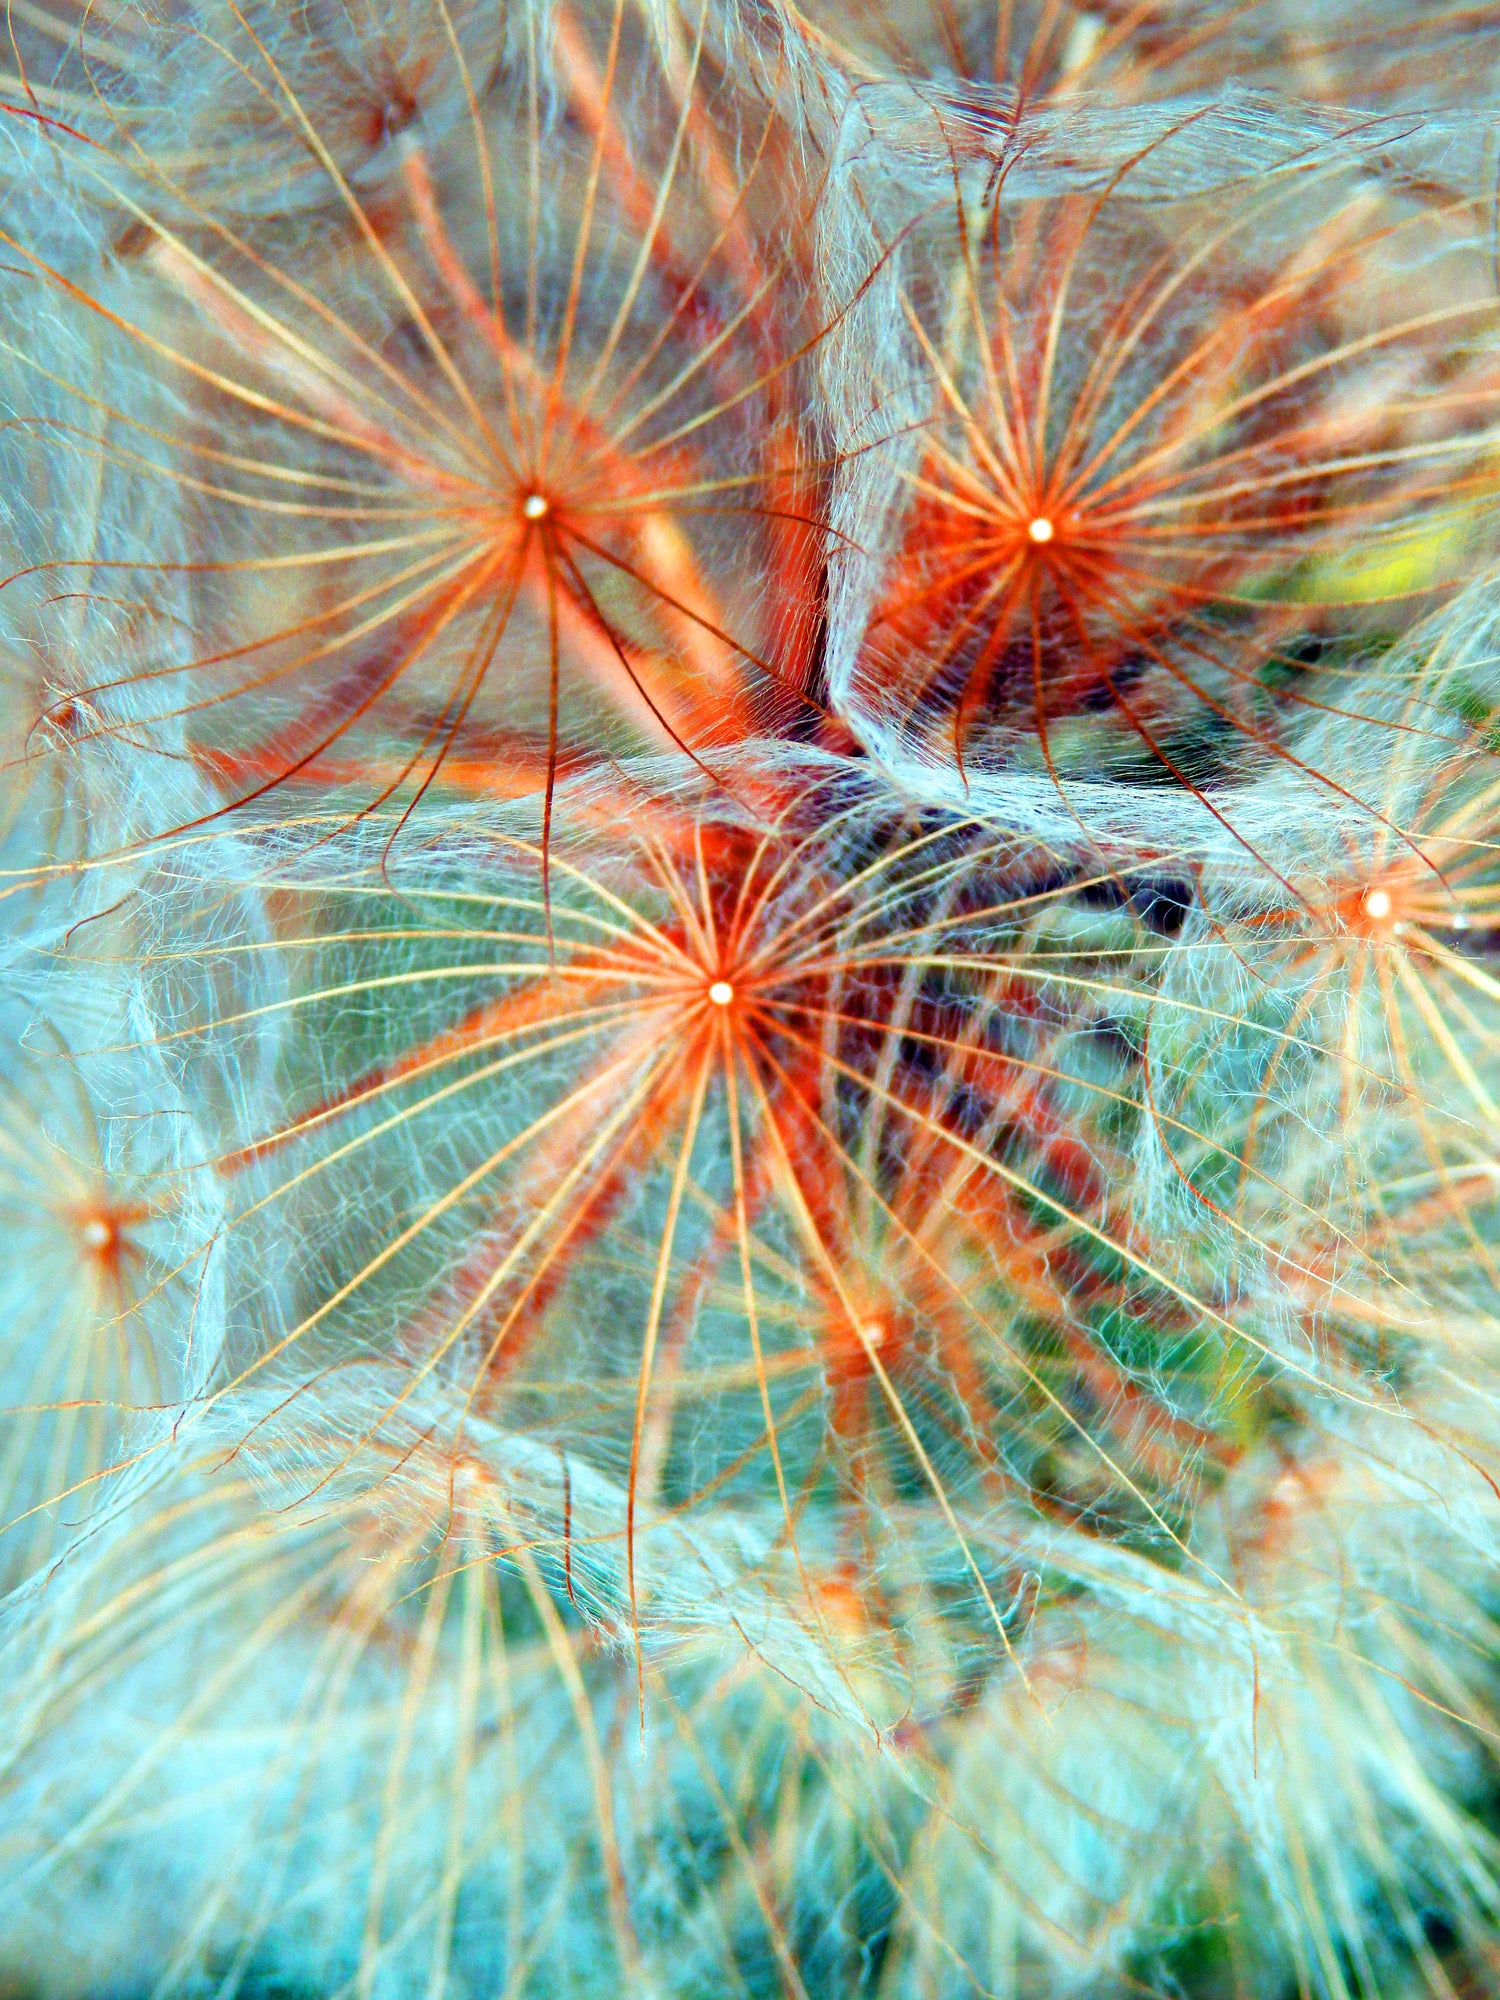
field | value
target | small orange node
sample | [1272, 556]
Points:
[99, 1235]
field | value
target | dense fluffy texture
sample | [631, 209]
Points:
[749, 1034]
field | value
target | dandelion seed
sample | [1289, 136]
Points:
[1195, 384]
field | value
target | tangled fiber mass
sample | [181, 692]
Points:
[750, 1076]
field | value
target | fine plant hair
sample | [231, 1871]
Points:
[749, 1033]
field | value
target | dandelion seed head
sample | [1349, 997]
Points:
[1056, 1254]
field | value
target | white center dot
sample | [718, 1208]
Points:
[721, 992]
[1041, 529]
[97, 1234]
[1378, 904]
[534, 506]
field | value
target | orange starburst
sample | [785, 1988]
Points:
[1174, 467]
[470, 481]
[781, 1175]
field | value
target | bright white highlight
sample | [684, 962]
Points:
[1041, 529]
[1378, 904]
[97, 1234]
[721, 993]
[534, 506]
